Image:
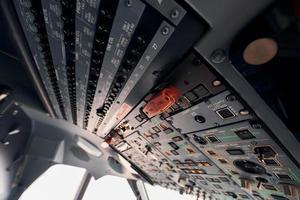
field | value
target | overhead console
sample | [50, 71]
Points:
[154, 80]
[209, 142]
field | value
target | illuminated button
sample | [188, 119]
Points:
[225, 113]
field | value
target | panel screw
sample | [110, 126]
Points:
[208, 102]
[256, 126]
[216, 83]
[218, 56]
[165, 30]
[196, 61]
[244, 112]
[231, 97]
[174, 13]
[216, 124]
[199, 119]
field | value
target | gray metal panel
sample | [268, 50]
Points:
[142, 136]
[62, 131]
[15, 32]
[14, 133]
[219, 15]
[54, 25]
[140, 159]
[125, 22]
[228, 139]
[116, 113]
[26, 20]
[218, 187]
[85, 25]
[165, 60]
[220, 36]
[169, 9]
[157, 171]
[186, 122]
[187, 75]
[131, 118]
[186, 149]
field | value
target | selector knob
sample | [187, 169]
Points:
[181, 191]
[148, 149]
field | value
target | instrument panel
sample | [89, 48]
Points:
[128, 72]
[217, 142]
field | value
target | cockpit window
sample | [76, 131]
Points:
[109, 188]
[157, 192]
[58, 182]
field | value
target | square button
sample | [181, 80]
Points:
[244, 134]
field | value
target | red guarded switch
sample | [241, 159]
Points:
[160, 102]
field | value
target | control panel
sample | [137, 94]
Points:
[210, 138]
[128, 71]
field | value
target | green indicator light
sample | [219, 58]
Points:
[228, 137]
